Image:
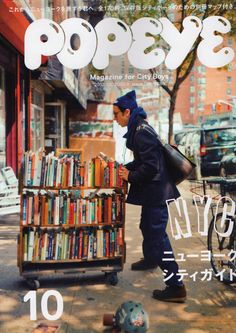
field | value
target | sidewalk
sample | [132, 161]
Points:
[210, 307]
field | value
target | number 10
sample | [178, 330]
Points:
[31, 296]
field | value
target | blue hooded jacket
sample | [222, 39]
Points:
[151, 183]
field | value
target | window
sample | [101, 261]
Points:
[202, 93]
[123, 66]
[220, 136]
[191, 110]
[230, 41]
[37, 98]
[192, 78]
[228, 91]
[201, 69]
[37, 119]
[192, 99]
[192, 89]
[201, 80]
[131, 69]
[196, 138]
[55, 132]
[48, 9]
[200, 106]
[229, 79]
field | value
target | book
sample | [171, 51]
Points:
[97, 172]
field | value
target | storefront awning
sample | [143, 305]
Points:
[13, 24]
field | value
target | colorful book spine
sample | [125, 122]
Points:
[68, 171]
[71, 244]
[64, 209]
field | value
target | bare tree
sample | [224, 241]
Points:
[184, 8]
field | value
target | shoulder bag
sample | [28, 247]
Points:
[179, 166]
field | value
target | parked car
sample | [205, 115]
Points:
[206, 147]
[228, 165]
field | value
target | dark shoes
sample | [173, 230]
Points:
[175, 294]
[142, 265]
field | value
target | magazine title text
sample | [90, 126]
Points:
[76, 43]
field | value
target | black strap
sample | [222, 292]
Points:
[149, 129]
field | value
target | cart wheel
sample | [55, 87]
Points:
[112, 278]
[33, 284]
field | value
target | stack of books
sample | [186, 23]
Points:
[68, 208]
[42, 170]
[72, 243]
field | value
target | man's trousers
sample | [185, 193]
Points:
[156, 243]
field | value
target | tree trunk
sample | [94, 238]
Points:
[171, 117]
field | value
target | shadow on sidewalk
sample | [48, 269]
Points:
[10, 219]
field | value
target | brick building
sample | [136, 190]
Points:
[208, 94]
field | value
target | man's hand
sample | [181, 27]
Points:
[124, 173]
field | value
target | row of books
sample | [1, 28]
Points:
[73, 243]
[65, 208]
[69, 171]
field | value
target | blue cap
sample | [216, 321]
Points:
[127, 101]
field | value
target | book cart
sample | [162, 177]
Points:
[106, 251]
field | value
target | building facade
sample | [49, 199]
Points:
[208, 94]
[35, 105]
[14, 85]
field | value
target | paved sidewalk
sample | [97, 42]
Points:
[210, 307]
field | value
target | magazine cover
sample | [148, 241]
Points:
[117, 166]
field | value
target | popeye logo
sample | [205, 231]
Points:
[113, 37]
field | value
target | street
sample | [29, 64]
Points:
[210, 306]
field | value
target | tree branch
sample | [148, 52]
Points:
[206, 11]
[190, 66]
[164, 86]
[194, 52]
[182, 15]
